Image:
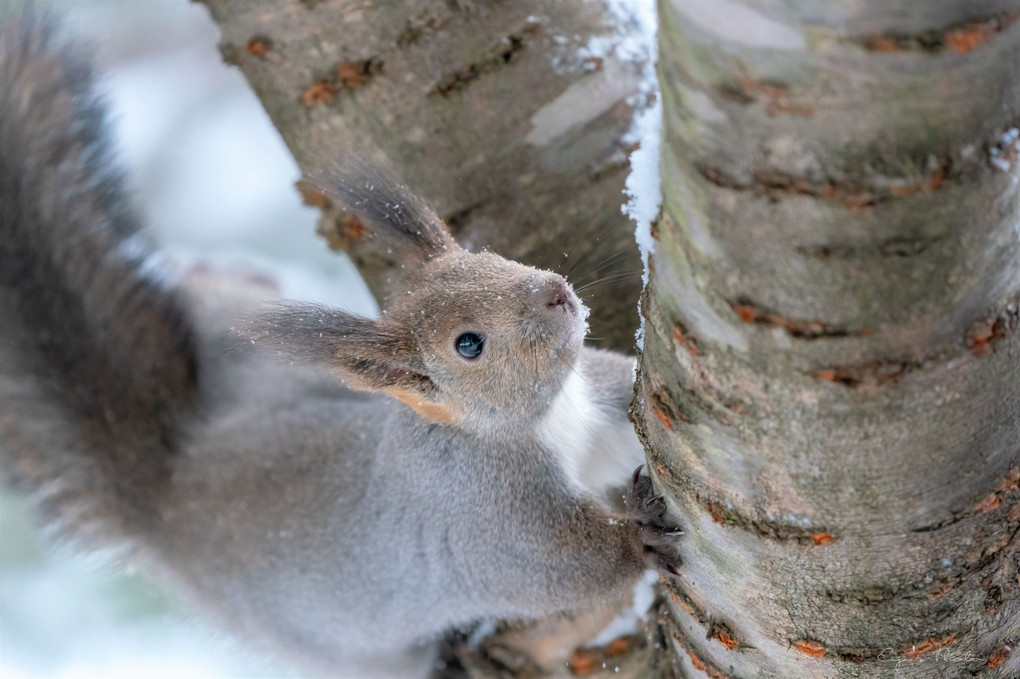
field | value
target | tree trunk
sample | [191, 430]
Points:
[511, 117]
[830, 381]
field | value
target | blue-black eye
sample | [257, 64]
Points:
[470, 345]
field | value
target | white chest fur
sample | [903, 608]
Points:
[597, 446]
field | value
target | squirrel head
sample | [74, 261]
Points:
[472, 340]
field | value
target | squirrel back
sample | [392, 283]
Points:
[97, 357]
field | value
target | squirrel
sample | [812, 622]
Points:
[343, 490]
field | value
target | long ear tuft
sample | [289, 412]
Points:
[306, 332]
[385, 205]
[368, 354]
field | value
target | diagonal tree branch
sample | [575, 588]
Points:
[510, 116]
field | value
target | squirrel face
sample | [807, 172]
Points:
[496, 338]
[472, 339]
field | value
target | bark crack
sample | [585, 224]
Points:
[774, 97]
[715, 629]
[986, 333]
[1004, 493]
[749, 312]
[981, 340]
[771, 529]
[899, 247]
[506, 51]
[868, 375]
[857, 196]
[699, 661]
[960, 38]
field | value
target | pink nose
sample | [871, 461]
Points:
[562, 298]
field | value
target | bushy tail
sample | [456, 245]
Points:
[97, 358]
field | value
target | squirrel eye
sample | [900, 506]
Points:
[470, 345]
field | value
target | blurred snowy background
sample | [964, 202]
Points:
[215, 184]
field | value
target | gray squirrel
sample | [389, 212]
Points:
[340, 489]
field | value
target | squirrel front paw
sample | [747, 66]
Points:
[646, 510]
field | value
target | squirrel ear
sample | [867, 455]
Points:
[387, 207]
[369, 355]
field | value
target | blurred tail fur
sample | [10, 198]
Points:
[97, 357]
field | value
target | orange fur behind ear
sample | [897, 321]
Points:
[430, 410]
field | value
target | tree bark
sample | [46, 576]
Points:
[830, 381]
[510, 117]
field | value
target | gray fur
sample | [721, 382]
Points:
[97, 360]
[389, 208]
[318, 516]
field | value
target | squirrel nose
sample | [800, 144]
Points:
[562, 297]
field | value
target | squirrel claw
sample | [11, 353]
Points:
[646, 510]
[661, 562]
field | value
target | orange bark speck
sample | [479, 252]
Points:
[999, 656]
[821, 538]
[696, 661]
[1011, 482]
[319, 93]
[678, 335]
[928, 646]
[663, 417]
[969, 38]
[881, 44]
[988, 504]
[683, 340]
[684, 605]
[715, 511]
[259, 46]
[354, 74]
[981, 340]
[748, 314]
[726, 640]
[828, 375]
[810, 648]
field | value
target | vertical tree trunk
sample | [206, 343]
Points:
[511, 117]
[830, 382]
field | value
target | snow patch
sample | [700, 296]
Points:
[643, 187]
[1005, 154]
[627, 621]
[633, 37]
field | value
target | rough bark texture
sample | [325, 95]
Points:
[488, 108]
[830, 389]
